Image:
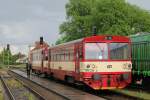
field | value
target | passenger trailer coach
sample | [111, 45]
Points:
[101, 62]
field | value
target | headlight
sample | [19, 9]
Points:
[125, 76]
[88, 66]
[96, 76]
[129, 66]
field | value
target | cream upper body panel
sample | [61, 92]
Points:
[112, 66]
[36, 63]
[67, 66]
[45, 64]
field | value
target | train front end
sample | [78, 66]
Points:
[107, 62]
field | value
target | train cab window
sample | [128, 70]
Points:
[96, 51]
[119, 51]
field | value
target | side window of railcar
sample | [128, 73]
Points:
[35, 57]
[66, 56]
[52, 57]
[57, 57]
[49, 55]
[71, 55]
[61, 57]
[38, 57]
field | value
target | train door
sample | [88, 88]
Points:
[49, 61]
[42, 60]
[46, 65]
[78, 58]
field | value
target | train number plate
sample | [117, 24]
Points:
[109, 66]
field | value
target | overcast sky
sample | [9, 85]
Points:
[145, 4]
[24, 21]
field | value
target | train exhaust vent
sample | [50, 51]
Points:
[94, 31]
[41, 40]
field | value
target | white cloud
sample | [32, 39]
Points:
[16, 49]
[145, 4]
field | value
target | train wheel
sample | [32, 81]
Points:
[51, 75]
[45, 75]
[33, 71]
[70, 79]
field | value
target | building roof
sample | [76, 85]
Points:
[39, 46]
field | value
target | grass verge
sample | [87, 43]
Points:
[137, 94]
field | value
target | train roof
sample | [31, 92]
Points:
[98, 38]
[140, 37]
[71, 42]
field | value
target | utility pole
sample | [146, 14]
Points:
[3, 55]
[8, 49]
[8, 59]
[29, 46]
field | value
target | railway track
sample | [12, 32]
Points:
[7, 89]
[39, 89]
[53, 90]
[17, 90]
[106, 94]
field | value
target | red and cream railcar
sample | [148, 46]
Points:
[38, 57]
[101, 62]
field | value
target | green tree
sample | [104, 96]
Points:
[6, 57]
[115, 17]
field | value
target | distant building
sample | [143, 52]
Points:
[22, 60]
[38, 45]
